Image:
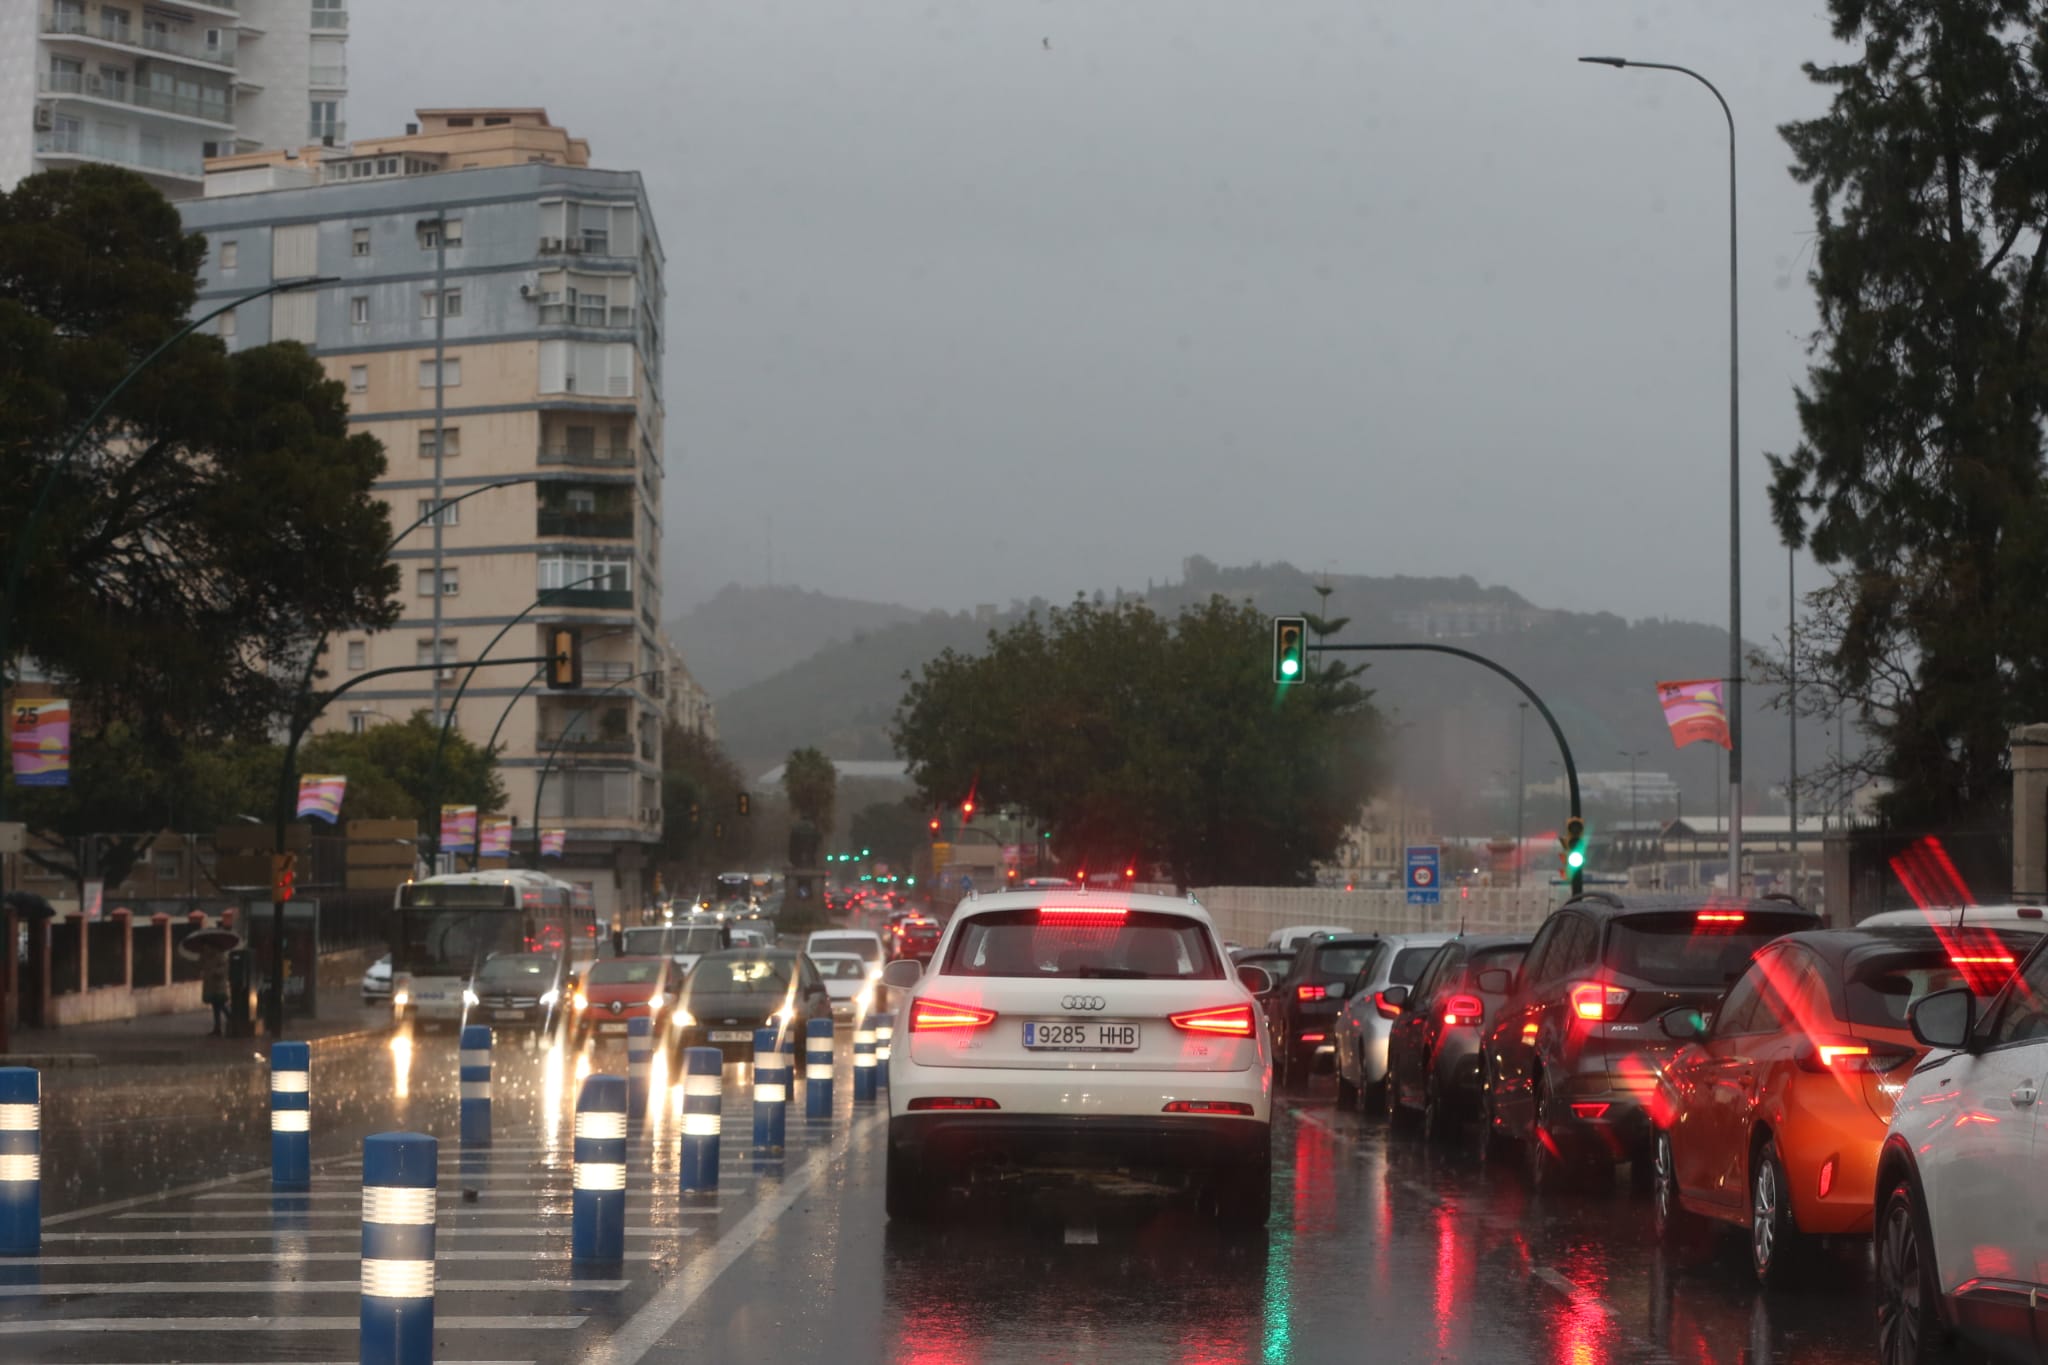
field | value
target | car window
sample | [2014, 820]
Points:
[1880, 990]
[840, 968]
[2022, 1014]
[1441, 968]
[1582, 949]
[1408, 965]
[1135, 945]
[1508, 959]
[1745, 1010]
[1676, 950]
[752, 975]
[1340, 962]
[863, 947]
[512, 969]
[1544, 950]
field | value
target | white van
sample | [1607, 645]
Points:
[1294, 935]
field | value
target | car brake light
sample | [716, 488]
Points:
[1597, 1003]
[952, 1102]
[1311, 992]
[1209, 1107]
[932, 1015]
[1827, 1176]
[1594, 1110]
[1313, 1037]
[1845, 1056]
[1082, 914]
[1387, 1008]
[1231, 1021]
[1718, 917]
[1464, 1009]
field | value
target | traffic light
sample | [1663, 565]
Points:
[967, 809]
[933, 826]
[1290, 641]
[746, 803]
[695, 811]
[284, 876]
[1574, 841]
[565, 657]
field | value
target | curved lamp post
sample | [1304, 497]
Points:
[540, 783]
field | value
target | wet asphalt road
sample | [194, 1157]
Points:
[1380, 1247]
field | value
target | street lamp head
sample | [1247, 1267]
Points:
[1616, 62]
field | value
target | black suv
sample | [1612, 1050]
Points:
[1569, 1068]
[1301, 1011]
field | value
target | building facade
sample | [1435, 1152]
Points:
[158, 87]
[498, 318]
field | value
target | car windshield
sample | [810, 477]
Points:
[620, 972]
[1679, 949]
[693, 938]
[510, 970]
[1137, 945]
[841, 968]
[742, 975]
[1341, 962]
[860, 947]
[1408, 964]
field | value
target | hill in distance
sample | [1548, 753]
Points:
[745, 634]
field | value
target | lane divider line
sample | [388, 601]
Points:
[352, 1324]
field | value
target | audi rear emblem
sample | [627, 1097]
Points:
[1083, 1002]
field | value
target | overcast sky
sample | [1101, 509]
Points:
[1387, 287]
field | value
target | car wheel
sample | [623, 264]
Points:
[1909, 1327]
[1244, 1195]
[1439, 1119]
[1494, 1143]
[1347, 1089]
[1542, 1159]
[1776, 1246]
[907, 1195]
[1673, 1223]
[1400, 1117]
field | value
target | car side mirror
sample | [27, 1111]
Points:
[1255, 979]
[1336, 990]
[902, 973]
[1496, 981]
[1684, 1024]
[1395, 995]
[1943, 1019]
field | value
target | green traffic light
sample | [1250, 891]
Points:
[1290, 667]
[1575, 859]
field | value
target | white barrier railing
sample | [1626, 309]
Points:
[1249, 914]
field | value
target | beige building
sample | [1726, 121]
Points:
[1372, 852]
[498, 326]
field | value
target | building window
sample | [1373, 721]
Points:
[451, 512]
[604, 574]
[359, 242]
[451, 582]
[330, 14]
[451, 299]
[168, 866]
[463, 122]
[359, 309]
[113, 22]
[323, 120]
[358, 722]
[230, 253]
[227, 323]
[423, 651]
[433, 230]
[358, 655]
[454, 445]
[358, 378]
[451, 373]
[452, 228]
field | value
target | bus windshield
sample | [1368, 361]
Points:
[455, 942]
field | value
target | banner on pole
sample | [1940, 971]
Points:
[320, 796]
[496, 839]
[42, 743]
[1696, 711]
[458, 829]
[551, 842]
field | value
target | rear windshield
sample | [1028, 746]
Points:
[1408, 964]
[1881, 986]
[860, 947]
[920, 931]
[840, 968]
[1139, 945]
[704, 938]
[528, 968]
[1342, 962]
[614, 972]
[741, 975]
[1677, 950]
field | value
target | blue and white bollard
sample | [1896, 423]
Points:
[476, 1085]
[291, 1116]
[771, 1091]
[639, 1061]
[818, 1070]
[21, 1159]
[703, 1096]
[598, 1207]
[863, 1062]
[885, 1037]
[398, 1248]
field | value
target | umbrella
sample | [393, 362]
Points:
[28, 905]
[223, 939]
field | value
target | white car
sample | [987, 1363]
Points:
[1058, 1031]
[863, 943]
[1961, 1219]
[1294, 935]
[1366, 1022]
[377, 981]
[682, 942]
[848, 981]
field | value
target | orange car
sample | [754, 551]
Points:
[1771, 1117]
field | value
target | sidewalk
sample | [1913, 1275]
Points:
[182, 1039]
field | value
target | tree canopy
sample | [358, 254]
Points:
[1919, 477]
[1139, 739]
[812, 784]
[701, 831]
[215, 521]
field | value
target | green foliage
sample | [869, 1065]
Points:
[389, 769]
[700, 833]
[812, 785]
[891, 831]
[1143, 740]
[1919, 478]
[215, 521]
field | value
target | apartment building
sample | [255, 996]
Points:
[159, 86]
[499, 318]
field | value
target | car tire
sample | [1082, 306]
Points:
[911, 1190]
[1674, 1224]
[1244, 1195]
[1400, 1117]
[1543, 1162]
[1347, 1089]
[1439, 1117]
[1908, 1292]
[1494, 1144]
[1777, 1249]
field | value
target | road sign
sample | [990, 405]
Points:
[1425, 871]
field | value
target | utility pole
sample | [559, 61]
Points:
[1521, 782]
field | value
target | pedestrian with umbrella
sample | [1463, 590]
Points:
[211, 948]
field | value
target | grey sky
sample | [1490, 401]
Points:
[1385, 287]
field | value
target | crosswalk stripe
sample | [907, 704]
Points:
[343, 1234]
[278, 1256]
[350, 1286]
[543, 1215]
[443, 1322]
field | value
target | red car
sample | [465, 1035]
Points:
[618, 990]
[916, 937]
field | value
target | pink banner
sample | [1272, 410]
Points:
[458, 829]
[1695, 711]
[496, 840]
[42, 743]
[320, 796]
[551, 841]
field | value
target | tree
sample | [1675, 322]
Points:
[702, 833]
[1140, 740]
[812, 785]
[1919, 477]
[389, 769]
[215, 522]
[891, 831]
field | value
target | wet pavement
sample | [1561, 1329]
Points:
[164, 1243]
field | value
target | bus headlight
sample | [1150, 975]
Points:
[580, 1001]
[548, 1000]
[469, 997]
[400, 999]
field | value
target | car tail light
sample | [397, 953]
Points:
[1209, 1107]
[1594, 1110]
[1464, 1009]
[1718, 917]
[952, 1102]
[1311, 992]
[1387, 1008]
[1827, 1176]
[1846, 1055]
[1084, 915]
[1313, 1037]
[933, 1015]
[1230, 1021]
[1593, 1001]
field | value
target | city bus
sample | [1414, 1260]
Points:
[444, 927]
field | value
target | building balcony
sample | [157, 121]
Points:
[590, 457]
[328, 78]
[85, 146]
[585, 525]
[131, 38]
[330, 20]
[578, 744]
[91, 86]
[602, 599]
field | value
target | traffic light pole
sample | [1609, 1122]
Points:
[302, 721]
[1571, 768]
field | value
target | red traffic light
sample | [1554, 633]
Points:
[967, 809]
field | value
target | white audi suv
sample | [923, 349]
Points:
[1065, 1031]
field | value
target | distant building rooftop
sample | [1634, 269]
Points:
[440, 140]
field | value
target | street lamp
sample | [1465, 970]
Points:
[1521, 759]
[1734, 485]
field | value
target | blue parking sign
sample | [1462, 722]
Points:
[1425, 871]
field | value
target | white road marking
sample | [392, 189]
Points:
[350, 1287]
[461, 1211]
[343, 1234]
[352, 1324]
[1556, 1280]
[644, 1329]
[273, 1257]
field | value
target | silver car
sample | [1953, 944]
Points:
[1367, 1020]
[377, 981]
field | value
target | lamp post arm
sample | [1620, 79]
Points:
[540, 783]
